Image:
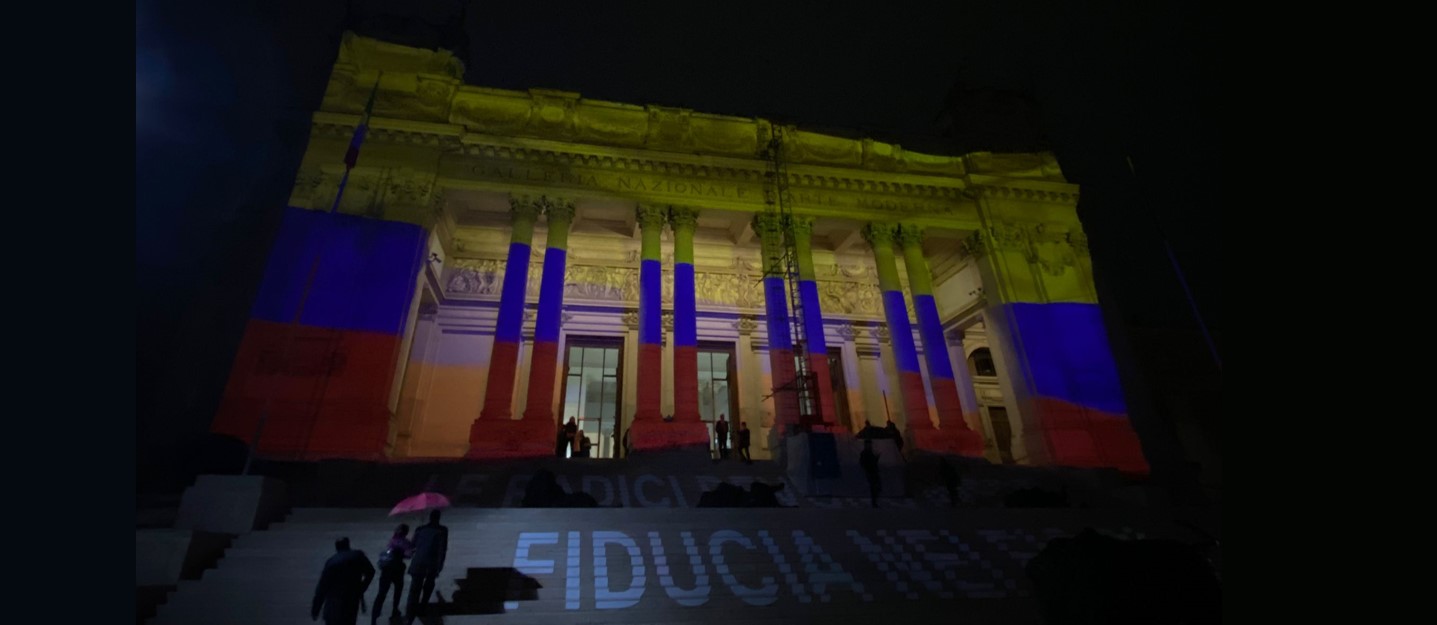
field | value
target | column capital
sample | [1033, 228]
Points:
[652, 216]
[1079, 240]
[559, 209]
[769, 226]
[801, 226]
[880, 233]
[631, 319]
[910, 235]
[975, 244]
[683, 217]
[745, 325]
[526, 208]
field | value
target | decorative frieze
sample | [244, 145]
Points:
[476, 277]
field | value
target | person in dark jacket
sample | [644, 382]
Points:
[952, 480]
[342, 583]
[431, 544]
[721, 433]
[744, 437]
[391, 570]
[869, 461]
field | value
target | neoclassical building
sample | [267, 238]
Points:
[501, 261]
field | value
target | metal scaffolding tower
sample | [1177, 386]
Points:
[780, 205]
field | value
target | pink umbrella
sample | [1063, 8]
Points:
[420, 503]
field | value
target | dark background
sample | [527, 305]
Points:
[1117, 89]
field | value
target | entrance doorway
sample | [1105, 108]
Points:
[592, 390]
[1003, 432]
[717, 393]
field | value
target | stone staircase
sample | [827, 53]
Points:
[634, 565]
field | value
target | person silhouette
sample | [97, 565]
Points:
[342, 582]
[431, 545]
[744, 437]
[869, 461]
[721, 433]
[571, 435]
[951, 480]
[391, 570]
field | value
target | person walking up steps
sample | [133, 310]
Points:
[391, 570]
[431, 544]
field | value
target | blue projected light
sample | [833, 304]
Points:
[1067, 350]
[364, 279]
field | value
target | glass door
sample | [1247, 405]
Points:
[717, 393]
[592, 393]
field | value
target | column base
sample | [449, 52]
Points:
[511, 438]
[651, 435]
[948, 441]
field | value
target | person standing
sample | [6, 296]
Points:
[431, 545]
[952, 480]
[721, 433]
[342, 582]
[869, 461]
[743, 441]
[571, 436]
[391, 570]
[581, 445]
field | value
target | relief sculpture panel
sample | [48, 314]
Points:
[485, 278]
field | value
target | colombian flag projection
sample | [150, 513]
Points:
[1076, 397]
[326, 381]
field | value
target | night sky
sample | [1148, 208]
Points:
[224, 91]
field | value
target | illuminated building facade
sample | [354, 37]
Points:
[501, 261]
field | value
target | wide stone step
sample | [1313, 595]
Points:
[922, 612]
[671, 566]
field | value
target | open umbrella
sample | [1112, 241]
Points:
[420, 503]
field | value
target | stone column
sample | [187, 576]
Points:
[750, 408]
[905, 355]
[686, 367]
[651, 222]
[887, 384]
[503, 360]
[496, 434]
[817, 345]
[630, 319]
[649, 431]
[780, 343]
[853, 379]
[542, 373]
[935, 348]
